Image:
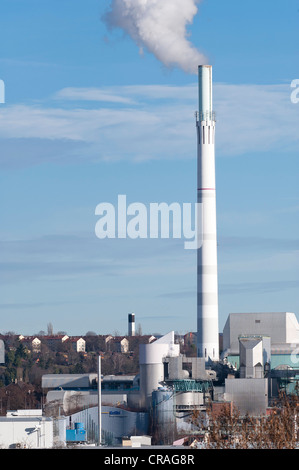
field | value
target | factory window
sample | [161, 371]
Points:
[205, 352]
[203, 134]
[166, 371]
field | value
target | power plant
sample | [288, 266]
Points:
[207, 274]
[258, 356]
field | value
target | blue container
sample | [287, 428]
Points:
[79, 425]
[76, 435]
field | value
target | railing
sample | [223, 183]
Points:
[206, 116]
[186, 385]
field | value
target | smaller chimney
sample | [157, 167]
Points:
[131, 325]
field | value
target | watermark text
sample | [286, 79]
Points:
[2, 92]
[159, 220]
[295, 92]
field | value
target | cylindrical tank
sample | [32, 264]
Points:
[152, 367]
[163, 417]
[162, 406]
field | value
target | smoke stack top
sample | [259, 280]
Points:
[205, 92]
[131, 324]
[160, 27]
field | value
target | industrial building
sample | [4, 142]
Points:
[26, 429]
[263, 348]
[168, 388]
[117, 422]
[68, 392]
[281, 327]
[250, 392]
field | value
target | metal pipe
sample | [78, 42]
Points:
[99, 402]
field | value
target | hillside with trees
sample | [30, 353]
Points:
[21, 374]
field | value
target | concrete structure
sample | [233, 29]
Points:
[248, 395]
[160, 364]
[169, 387]
[116, 423]
[68, 381]
[207, 274]
[281, 327]
[151, 365]
[182, 367]
[68, 392]
[250, 392]
[255, 355]
[26, 429]
[131, 324]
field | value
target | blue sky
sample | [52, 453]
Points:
[88, 117]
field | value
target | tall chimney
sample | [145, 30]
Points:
[207, 273]
[131, 324]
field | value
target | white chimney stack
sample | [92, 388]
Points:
[131, 324]
[207, 273]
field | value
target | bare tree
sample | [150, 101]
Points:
[277, 430]
[139, 330]
[50, 329]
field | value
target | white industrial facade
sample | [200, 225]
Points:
[250, 396]
[255, 356]
[116, 423]
[281, 327]
[26, 429]
[250, 393]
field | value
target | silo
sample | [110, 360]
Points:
[152, 367]
[163, 417]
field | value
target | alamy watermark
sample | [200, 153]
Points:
[295, 93]
[159, 220]
[2, 92]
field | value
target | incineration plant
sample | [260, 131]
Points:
[246, 366]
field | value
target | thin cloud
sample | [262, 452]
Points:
[150, 122]
[69, 257]
[258, 287]
[91, 94]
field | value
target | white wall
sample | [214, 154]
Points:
[31, 432]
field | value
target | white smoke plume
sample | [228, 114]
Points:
[160, 26]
